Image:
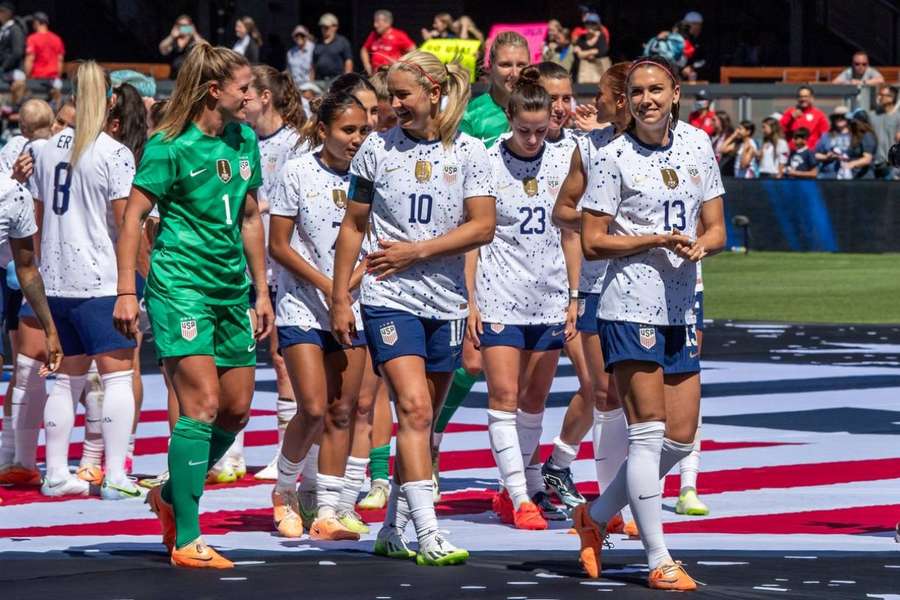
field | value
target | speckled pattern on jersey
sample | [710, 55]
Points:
[484, 119]
[592, 271]
[16, 211]
[78, 254]
[653, 191]
[521, 277]
[419, 193]
[274, 151]
[316, 198]
[10, 152]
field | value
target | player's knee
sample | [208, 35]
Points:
[312, 413]
[232, 419]
[644, 414]
[504, 399]
[414, 411]
[472, 366]
[339, 415]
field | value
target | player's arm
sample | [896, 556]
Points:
[566, 214]
[130, 220]
[281, 228]
[349, 241]
[474, 326]
[253, 237]
[571, 246]
[597, 243]
[32, 287]
[712, 226]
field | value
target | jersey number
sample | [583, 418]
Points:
[420, 208]
[676, 209]
[228, 220]
[62, 179]
[538, 214]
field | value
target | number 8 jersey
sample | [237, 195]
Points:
[418, 191]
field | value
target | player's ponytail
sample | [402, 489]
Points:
[204, 64]
[528, 95]
[92, 91]
[328, 108]
[285, 97]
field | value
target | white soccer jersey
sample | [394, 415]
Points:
[34, 147]
[16, 212]
[78, 256]
[10, 152]
[653, 191]
[698, 287]
[316, 198]
[274, 151]
[419, 192]
[593, 271]
[521, 277]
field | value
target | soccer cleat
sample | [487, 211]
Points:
[352, 521]
[550, 511]
[671, 576]
[199, 556]
[616, 524]
[286, 513]
[438, 552]
[309, 509]
[269, 472]
[377, 497]
[528, 516]
[391, 543]
[593, 537]
[70, 486]
[122, 489]
[436, 477]
[16, 474]
[631, 530]
[561, 482]
[166, 515]
[90, 473]
[238, 465]
[502, 506]
[223, 473]
[331, 529]
[152, 482]
[689, 504]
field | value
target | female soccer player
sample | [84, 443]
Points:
[202, 168]
[430, 194]
[312, 198]
[362, 90]
[520, 311]
[651, 188]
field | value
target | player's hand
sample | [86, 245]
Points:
[23, 167]
[673, 240]
[585, 117]
[126, 314]
[695, 253]
[343, 321]
[265, 317]
[391, 258]
[54, 354]
[474, 326]
[571, 318]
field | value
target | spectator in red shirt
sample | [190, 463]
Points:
[805, 115]
[386, 44]
[44, 50]
[704, 115]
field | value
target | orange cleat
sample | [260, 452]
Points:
[593, 538]
[671, 576]
[16, 474]
[529, 517]
[198, 555]
[631, 530]
[616, 524]
[331, 530]
[502, 505]
[164, 512]
[286, 513]
[91, 473]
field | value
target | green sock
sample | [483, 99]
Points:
[459, 389]
[188, 460]
[379, 460]
[219, 444]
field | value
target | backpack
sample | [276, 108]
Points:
[670, 47]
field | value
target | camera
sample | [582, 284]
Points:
[894, 156]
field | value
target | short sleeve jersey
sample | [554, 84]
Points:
[521, 277]
[200, 183]
[274, 152]
[484, 119]
[593, 271]
[78, 254]
[316, 198]
[16, 212]
[419, 188]
[10, 152]
[653, 190]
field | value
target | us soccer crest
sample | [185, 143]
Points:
[388, 333]
[189, 329]
[670, 178]
[553, 183]
[530, 185]
[695, 175]
[497, 327]
[648, 337]
[339, 197]
[223, 170]
[450, 172]
[244, 169]
[423, 171]
[582, 304]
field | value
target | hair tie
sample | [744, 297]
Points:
[422, 71]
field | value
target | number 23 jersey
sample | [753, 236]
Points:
[419, 189]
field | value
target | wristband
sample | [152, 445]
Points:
[126, 294]
[574, 295]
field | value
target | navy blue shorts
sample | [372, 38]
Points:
[587, 312]
[698, 310]
[12, 303]
[291, 335]
[524, 337]
[85, 325]
[395, 333]
[673, 347]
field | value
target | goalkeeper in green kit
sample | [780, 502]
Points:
[202, 168]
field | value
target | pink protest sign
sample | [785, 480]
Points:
[533, 32]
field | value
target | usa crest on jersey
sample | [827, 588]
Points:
[388, 333]
[648, 336]
[223, 170]
[244, 169]
[189, 329]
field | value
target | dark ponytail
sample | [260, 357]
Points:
[330, 107]
[528, 95]
[285, 97]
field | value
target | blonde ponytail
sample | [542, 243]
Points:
[91, 101]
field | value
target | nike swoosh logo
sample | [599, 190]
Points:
[195, 173]
[311, 194]
[393, 169]
[195, 464]
[647, 497]
[504, 450]
[555, 333]
[93, 420]
[695, 354]
[127, 492]
[251, 348]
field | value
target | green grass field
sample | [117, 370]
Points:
[803, 287]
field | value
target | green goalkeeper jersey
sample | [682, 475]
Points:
[200, 183]
[484, 119]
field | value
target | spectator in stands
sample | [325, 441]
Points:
[441, 27]
[179, 42]
[802, 163]
[44, 50]
[692, 27]
[863, 145]
[704, 115]
[672, 45]
[465, 29]
[248, 40]
[805, 114]
[885, 122]
[859, 73]
[774, 153]
[742, 144]
[332, 56]
[559, 49]
[300, 56]
[724, 130]
[832, 148]
[385, 44]
[12, 41]
[592, 49]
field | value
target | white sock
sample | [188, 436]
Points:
[130, 453]
[92, 449]
[690, 464]
[310, 470]
[328, 494]
[529, 427]
[29, 397]
[236, 450]
[610, 437]
[563, 454]
[354, 478]
[7, 441]
[534, 480]
[645, 441]
[285, 409]
[287, 473]
[397, 515]
[507, 455]
[59, 417]
[118, 418]
[419, 496]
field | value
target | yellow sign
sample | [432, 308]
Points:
[449, 50]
